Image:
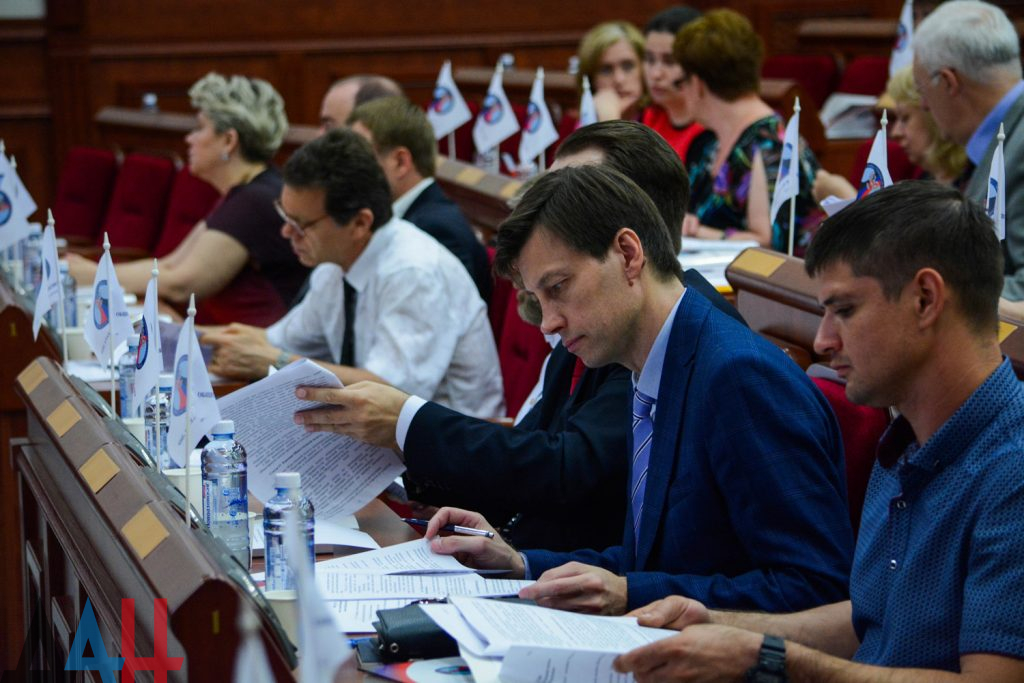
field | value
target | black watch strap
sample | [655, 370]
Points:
[771, 662]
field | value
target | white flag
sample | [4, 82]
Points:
[995, 202]
[16, 205]
[496, 121]
[588, 112]
[903, 49]
[876, 172]
[539, 132]
[109, 323]
[251, 663]
[448, 110]
[191, 396]
[787, 183]
[149, 361]
[322, 649]
[49, 292]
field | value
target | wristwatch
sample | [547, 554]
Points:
[283, 359]
[771, 662]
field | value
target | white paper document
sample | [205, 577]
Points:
[339, 474]
[559, 665]
[411, 557]
[339, 584]
[326, 534]
[357, 616]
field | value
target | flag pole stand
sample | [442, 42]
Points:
[110, 333]
[60, 299]
[156, 390]
[792, 223]
[540, 163]
[792, 200]
[451, 146]
[188, 412]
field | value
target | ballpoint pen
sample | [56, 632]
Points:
[454, 528]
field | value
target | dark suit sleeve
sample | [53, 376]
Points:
[463, 461]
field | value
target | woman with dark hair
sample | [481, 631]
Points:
[732, 182]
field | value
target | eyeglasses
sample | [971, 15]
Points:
[295, 225]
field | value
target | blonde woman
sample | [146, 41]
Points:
[235, 260]
[611, 55]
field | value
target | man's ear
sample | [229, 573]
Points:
[628, 247]
[362, 223]
[951, 81]
[930, 296]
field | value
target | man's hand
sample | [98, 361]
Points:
[241, 351]
[705, 652]
[367, 411]
[673, 612]
[81, 268]
[473, 551]
[578, 587]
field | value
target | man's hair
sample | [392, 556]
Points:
[892, 234]
[724, 50]
[370, 87]
[670, 20]
[974, 38]
[343, 164]
[397, 122]
[643, 156]
[249, 106]
[585, 207]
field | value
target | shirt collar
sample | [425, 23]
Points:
[402, 204]
[365, 266]
[649, 380]
[979, 143]
[955, 436]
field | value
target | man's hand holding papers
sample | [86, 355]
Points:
[578, 587]
[478, 552]
[367, 411]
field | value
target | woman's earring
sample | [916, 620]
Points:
[224, 156]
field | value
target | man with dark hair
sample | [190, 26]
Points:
[404, 142]
[348, 93]
[386, 303]
[571, 445]
[910, 279]
[736, 490]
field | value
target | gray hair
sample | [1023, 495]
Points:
[974, 38]
[249, 106]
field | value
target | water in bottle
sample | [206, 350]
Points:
[32, 259]
[275, 516]
[126, 378]
[225, 492]
[69, 287]
[156, 444]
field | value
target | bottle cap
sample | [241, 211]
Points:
[166, 380]
[224, 427]
[287, 480]
[133, 340]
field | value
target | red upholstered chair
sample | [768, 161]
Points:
[501, 295]
[521, 352]
[817, 74]
[84, 188]
[865, 75]
[861, 428]
[900, 167]
[191, 200]
[136, 211]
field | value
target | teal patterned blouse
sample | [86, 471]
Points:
[720, 201]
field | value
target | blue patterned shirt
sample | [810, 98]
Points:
[939, 567]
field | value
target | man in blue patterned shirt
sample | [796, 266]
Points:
[910, 279]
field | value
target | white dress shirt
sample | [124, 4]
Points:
[420, 323]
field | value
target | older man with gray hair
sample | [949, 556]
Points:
[967, 68]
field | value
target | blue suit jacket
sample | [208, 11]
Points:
[745, 502]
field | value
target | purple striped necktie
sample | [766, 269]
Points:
[643, 431]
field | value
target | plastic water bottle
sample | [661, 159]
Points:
[69, 287]
[156, 444]
[225, 490]
[126, 377]
[275, 516]
[32, 258]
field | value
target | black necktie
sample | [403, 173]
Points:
[348, 342]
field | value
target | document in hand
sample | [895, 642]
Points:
[411, 557]
[339, 474]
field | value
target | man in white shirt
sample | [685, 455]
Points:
[387, 301]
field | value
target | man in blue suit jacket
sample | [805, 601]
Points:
[737, 491]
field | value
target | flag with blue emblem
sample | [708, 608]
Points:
[16, 204]
[149, 361]
[876, 171]
[448, 110]
[995, 201]
[49, 292]
[787, 183]
[903, 49]
[588, 111]
[108, 324]
[192, 398]
[496, 121]
[539, 132]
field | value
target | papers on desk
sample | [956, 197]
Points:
[711, 257]
[539, 644]
[339, 474]
[411, 557]
[326, 535]
[88, 370]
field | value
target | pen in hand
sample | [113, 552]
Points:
[453, 528]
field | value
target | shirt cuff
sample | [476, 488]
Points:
[411, 406]
[526, 567]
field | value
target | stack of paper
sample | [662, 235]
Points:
[710, 258]
[358, 585]
[517, 642]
